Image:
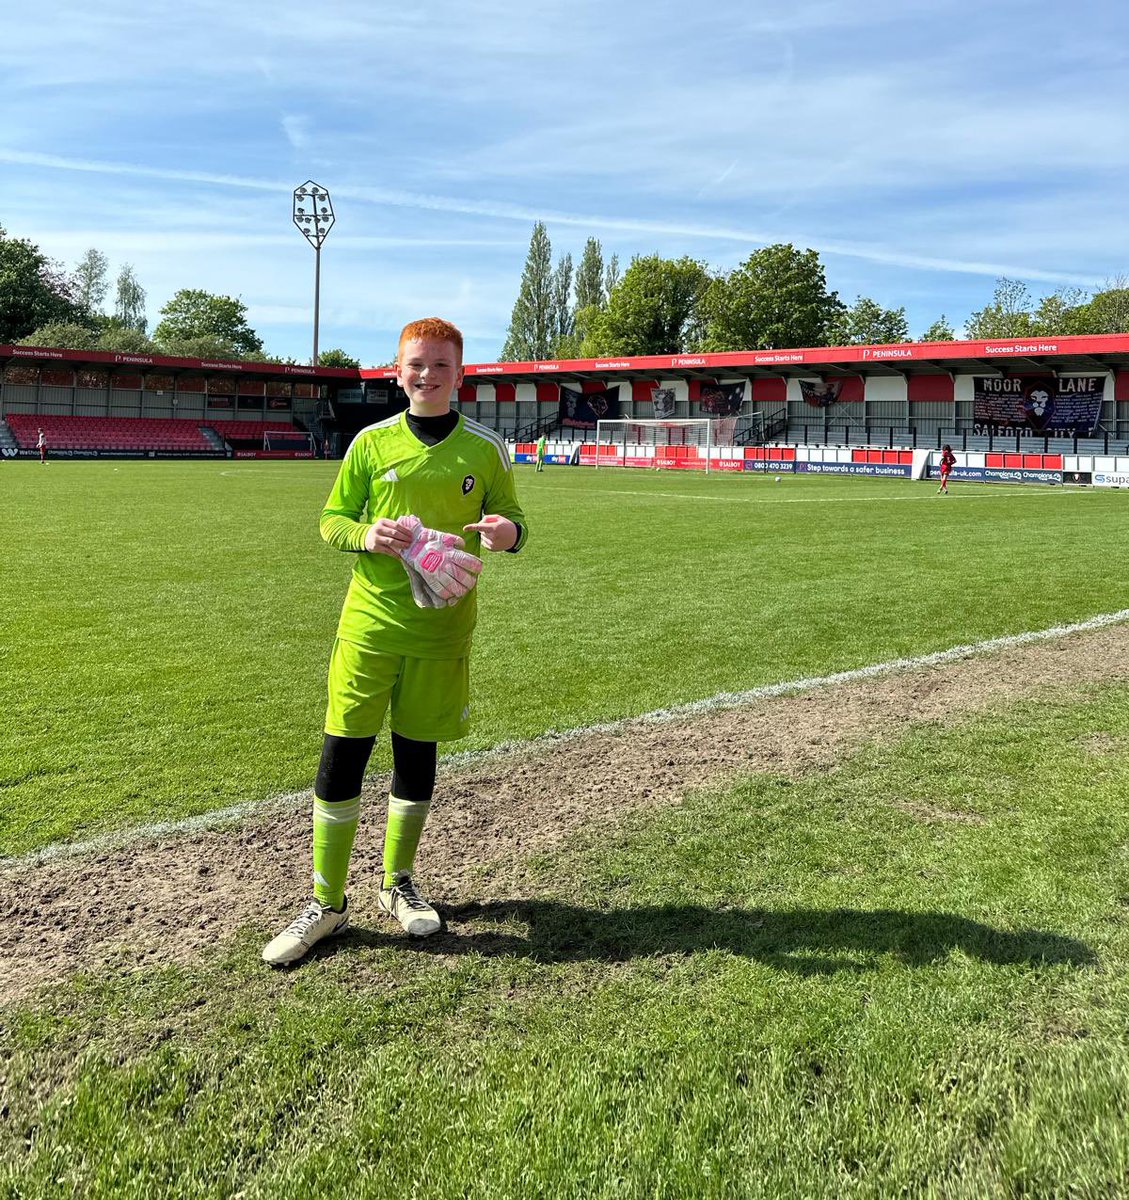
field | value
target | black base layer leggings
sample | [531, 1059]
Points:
[343, 761]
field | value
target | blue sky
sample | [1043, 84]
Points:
[922, 148]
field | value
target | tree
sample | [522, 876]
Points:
[867, 323]
[940, 331]
[1069, 310]
[530, 336]
[777, 297]
[90, 281]
[203, 345]
[1106, 311]
[337, 358]
[611, 277]
[584, 322]
[124, 338]
[654, 309]
[563, 313]
[1008, 316]
[34, 290]
[590, 277]
[194, 315]
[129, 305]
[1059, 312]
[65, 335]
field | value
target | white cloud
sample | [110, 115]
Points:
[918, 163]
[297, 130]
[593, 221]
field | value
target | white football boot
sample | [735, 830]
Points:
[313, 923]
[404, 904]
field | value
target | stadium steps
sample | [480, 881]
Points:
[212, 438]
[7, 437]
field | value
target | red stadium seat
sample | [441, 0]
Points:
[107, 433]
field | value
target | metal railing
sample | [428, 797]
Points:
[760, 433]
[531, 431]
[892, 436]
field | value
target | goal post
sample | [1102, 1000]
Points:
[622, 442]
[288, 439]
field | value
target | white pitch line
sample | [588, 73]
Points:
[811, 683]
[294, 800]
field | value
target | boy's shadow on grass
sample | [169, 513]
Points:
[803, 941]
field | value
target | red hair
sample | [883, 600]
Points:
[433, 328]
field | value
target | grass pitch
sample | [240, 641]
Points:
[165, 628]
[905, 975]
[790, 988]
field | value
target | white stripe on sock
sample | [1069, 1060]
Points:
[341, 813]
[408, 808]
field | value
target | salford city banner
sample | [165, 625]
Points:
[820, 393]
[581, 410]
[1038, 404]
[663, 398]
[722, 399]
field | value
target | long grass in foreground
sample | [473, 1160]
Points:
[165, 628]
[905, 976]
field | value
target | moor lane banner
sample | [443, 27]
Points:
[1037, 404]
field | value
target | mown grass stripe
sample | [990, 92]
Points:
[285, 801]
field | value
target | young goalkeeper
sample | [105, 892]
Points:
[408, 492]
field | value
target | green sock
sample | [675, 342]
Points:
[405, 824]
[335, 826]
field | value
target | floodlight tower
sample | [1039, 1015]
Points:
[313, 214]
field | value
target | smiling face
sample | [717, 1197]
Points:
[429, 370]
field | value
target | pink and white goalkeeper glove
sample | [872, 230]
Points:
[421, 594]
[440, 563]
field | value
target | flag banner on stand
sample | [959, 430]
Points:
[581, 410]
[722, 399]
[820, 393]
[1037, 404]
[663, 398]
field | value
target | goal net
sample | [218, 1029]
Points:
[288, 439]
[656, 443]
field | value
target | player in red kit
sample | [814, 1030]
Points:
[948, 459]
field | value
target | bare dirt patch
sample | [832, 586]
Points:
[168, 900]
[1101, 745]
[935, 814]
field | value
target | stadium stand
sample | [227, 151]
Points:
[107, 433]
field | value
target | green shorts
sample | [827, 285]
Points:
[430, 698]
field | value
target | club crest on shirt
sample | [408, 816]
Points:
[468, 485]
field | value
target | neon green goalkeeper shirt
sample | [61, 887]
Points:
[389, 472]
